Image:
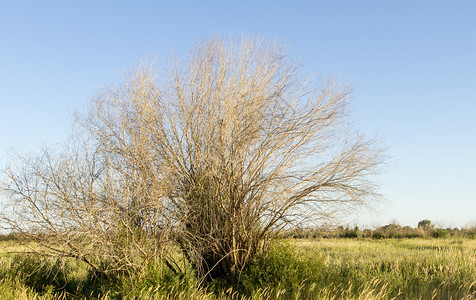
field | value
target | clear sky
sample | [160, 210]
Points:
[412, 63]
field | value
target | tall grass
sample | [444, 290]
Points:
[292, 269]
[404, 269]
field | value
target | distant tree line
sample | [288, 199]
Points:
[424, 230]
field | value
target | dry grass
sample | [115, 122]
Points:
[300, 269]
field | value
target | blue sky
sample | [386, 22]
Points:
[412, 64]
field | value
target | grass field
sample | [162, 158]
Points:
[293, 269]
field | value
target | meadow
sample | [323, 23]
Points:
[292, 269]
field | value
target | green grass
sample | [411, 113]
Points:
[293, 269]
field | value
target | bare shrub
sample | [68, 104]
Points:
[230, 148]
[74, 204]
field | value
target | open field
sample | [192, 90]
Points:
[293, 269]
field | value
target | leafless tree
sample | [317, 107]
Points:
[227, 149]
[74, 204]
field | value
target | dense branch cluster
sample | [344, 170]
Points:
[229, 149]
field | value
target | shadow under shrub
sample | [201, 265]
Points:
[157, 281]
[44, 275]
[61, 276]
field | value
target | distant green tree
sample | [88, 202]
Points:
[425, 224]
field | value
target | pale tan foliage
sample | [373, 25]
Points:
[227, 150]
